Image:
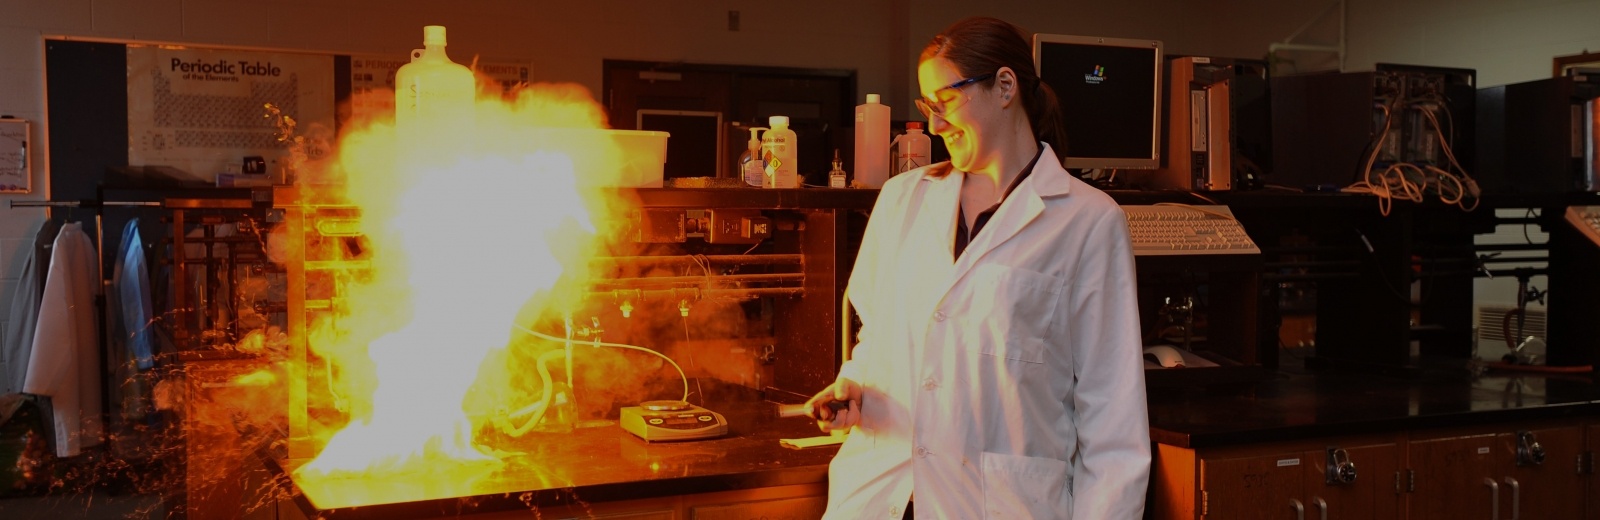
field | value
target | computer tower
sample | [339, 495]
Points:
[1538, 137]
[1199, 127]
[1325, 126]
[1216, 123]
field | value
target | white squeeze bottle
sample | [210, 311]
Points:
[779, 149]
[433, 97]
[912, 149]
[751, 166]
[872, 143]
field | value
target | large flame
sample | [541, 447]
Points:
[466, 235]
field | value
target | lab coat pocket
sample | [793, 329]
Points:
[1016, 486]
[1021, 311]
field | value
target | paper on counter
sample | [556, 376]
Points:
[811, 442]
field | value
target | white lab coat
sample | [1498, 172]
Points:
[65, 360]
[1008, 384]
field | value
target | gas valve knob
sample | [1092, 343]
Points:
[1340, 469]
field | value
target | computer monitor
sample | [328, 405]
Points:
[1110, 93]
[695, 146]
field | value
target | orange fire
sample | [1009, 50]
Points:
[472, 240]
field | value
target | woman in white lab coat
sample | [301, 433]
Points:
[999, 371]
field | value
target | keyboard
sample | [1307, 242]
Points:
[1587, 220]
[1187, 230]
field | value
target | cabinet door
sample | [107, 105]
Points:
[1451, 475]
[1549, 489]
[1261, 487]
[1592, 439]
[1371, 496]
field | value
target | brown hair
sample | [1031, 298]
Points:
[981, 45]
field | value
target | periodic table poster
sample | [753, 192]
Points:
[202, 111]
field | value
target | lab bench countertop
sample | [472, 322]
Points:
[1291, 406]
[599, 462]
[596, 462]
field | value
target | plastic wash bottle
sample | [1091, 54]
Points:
[779, 148]
[912, 149]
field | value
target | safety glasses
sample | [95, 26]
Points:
[948, 98]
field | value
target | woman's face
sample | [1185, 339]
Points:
[968, 117]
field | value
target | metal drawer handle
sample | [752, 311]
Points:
[1516, 498]
[1494, 498]
[1322, 507]
[1299, 509]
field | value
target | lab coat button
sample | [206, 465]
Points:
[938, 316]
[894, 512]
[922, 452]
[930, 384]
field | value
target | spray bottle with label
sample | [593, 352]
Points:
[751, 166]
[780, 150]
[433, 97]
[911, 149]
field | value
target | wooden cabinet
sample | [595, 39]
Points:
[1451, 477]
[1278, 481]
[1515, 471]
[1540, 475]
[223, 441]
[1252, 487]
[1364, 483]
[1592, 496]
[1498, 472]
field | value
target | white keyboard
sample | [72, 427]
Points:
[1587, 220]
[1187, 230]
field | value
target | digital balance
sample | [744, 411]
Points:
[672, 421]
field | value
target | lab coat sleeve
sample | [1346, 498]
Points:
[863, 280]
[1112, 469]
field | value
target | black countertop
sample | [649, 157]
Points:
[1291, 405]
[600, 462]
[597, 462]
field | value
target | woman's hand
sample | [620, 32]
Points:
[837, 407]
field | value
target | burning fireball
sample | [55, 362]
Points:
[475, 227]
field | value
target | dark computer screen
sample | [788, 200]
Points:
[694, 147]
[1109, 90]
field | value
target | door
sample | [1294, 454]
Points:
[1538, 472]
[1453, 477]
[820, 104]
[1260, 487]
[1369, 493]
[689, 104]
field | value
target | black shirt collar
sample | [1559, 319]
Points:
[963, 236]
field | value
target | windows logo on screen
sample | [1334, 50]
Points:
[1096, 77]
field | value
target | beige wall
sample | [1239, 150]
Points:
[1507, 41]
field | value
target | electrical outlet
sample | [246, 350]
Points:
[729, 226]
